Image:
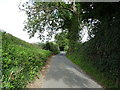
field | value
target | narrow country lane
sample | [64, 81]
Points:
[64, 74]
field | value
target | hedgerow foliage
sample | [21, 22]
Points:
[20, 61]
[52, 47]
[102, 50]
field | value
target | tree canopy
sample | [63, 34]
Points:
[48, 16]
[61, 40]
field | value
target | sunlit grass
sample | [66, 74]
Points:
[20, 61]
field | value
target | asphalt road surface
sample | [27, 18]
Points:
[64, 74]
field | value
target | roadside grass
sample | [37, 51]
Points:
[92, 71]
[21, 61]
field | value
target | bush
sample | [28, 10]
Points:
[52, 47]
[20, 61]
[66, 48]
[41, 45]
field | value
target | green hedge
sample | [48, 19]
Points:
[52, 47]
[104, 70]
[20, 61]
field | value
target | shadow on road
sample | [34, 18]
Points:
[66, 74]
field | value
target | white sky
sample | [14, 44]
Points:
[84, 34]
[11, 20]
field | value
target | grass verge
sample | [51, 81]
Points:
[92, 71]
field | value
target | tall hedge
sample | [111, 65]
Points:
[20, 61]
[103, 48]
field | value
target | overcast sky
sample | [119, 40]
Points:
[11, 20]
